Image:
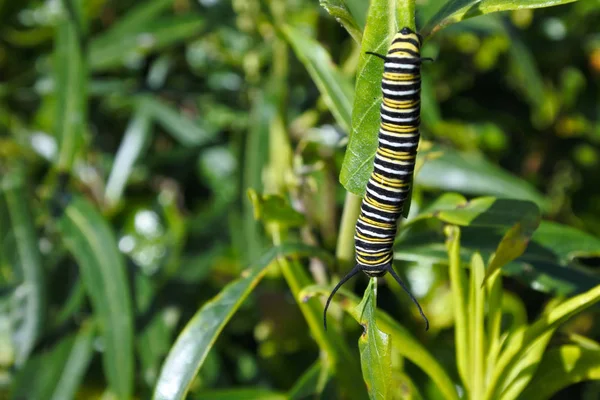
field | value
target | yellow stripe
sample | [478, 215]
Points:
[369, 221]
[373, 240]
[396, 155]
[391, 76]
[399, 128]
[395, 183]
[377, 205]
[408, 103]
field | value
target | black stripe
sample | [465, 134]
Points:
[395, 174]
[372, 245]
[407, 40]
[404, 60]
[401, 114]
[388, 193]
[384, 214]
[375, 229]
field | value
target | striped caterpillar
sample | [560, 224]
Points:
[389, 185]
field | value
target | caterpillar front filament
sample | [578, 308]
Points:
[389, 185]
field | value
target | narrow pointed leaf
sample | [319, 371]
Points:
[70, 82]
[404, 343]
[561, 367]
[457, 10]
[57, 373]
[195, 341]
[472, 174]
[136, 136]
[375, 348]
[358, 160]
[342, 14]
[89, 238]
[26, 264]
[185, 130]
[335, 88]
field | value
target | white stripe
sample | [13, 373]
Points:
[399, 93]
[370, 251]
[382, 197]
[371, 233]
[391, 171]
[396, 65]
[377, 216]
[388, 118]
[397, 144]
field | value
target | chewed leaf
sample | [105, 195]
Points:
[375, 348]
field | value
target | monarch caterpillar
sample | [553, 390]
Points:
[389, 184]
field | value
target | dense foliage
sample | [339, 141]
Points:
[179, 183]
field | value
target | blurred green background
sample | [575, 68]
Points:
[132, 131]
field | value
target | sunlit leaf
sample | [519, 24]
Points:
[403, 342]
[90, 240]
[375, 347]
[334, 86]
[342, 14]
[358, 160]
[473, 174]
[562, 367]
[242, 394]
[189, 352]
[525, 340]
[457, 10]
[135, 138]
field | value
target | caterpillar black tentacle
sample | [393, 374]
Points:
[389, 185]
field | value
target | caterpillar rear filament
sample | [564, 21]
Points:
[389, 185]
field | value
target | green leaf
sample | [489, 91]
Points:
[56, 374]
[26, 265]
[242, 394]
[457, 10]
[135, 20]
[136, 136]
[335, 88]
[340, 11]
[274, 208]
[458, 283]
[195, 341]
[473, 174]
[561, 367]
[477, 303]
[406, 344]
[114, 50]
[183, 129]
[358, 160]
[309, 384]
[514, 243]
[89, 238]
[566, 242]
[375, 347]
[70, 83]
[523, 341]
[483, 212]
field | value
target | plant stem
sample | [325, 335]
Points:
[345, 244]
[405, 13]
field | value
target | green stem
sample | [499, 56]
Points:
[345, 244]
[405, 13]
